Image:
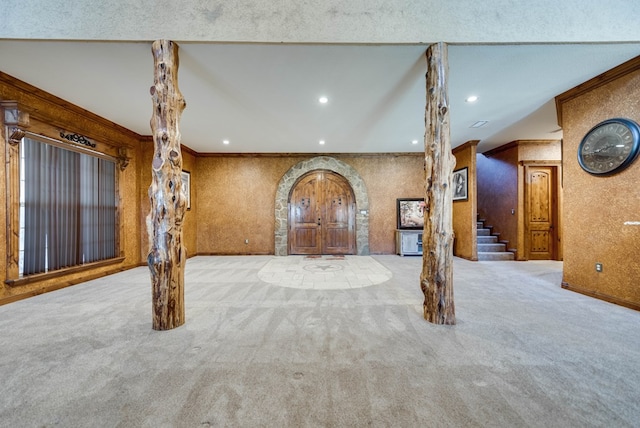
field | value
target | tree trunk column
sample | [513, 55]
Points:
[167, 254]
[436, 280]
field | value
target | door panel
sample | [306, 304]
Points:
[303, 217]
[540, 213]
[322, 215]
[336, 219]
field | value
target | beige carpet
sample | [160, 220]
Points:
[525, 353]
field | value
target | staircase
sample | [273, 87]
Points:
[488, 246]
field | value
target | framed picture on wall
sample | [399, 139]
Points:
[460, 184]
[186, 185]
[410, 213]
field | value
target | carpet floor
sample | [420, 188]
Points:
[524, 353]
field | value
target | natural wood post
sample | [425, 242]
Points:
[436, 279]
[167, 254]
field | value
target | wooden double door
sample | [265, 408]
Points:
[322, 215]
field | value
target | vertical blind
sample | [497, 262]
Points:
[69, 203]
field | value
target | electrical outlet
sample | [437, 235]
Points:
[598, 267]
[246, 241]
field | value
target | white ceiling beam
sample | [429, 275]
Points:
[327, 21]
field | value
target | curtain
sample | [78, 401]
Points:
[69, 208]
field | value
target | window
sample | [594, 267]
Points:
[68, 208]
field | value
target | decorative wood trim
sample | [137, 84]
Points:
[60, 285]
[541, 162]
[601, 296]
[224, 253]
[122, 158]
[15, 122]
[502, 148]
[78, 139]
[464, 146]
[189, 150]
[602, 79]
[62, 272]
[515, 143]
[306, 155]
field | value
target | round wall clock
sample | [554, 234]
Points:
[609, 147]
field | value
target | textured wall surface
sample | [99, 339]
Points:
[498, 193]
[540, 150]
[236, 198]
[331, 21]
[465, 212]
[597, 208]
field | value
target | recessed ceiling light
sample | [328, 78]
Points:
[323, 100]
[414, 142]
[472, 99]
[225, 141]
[321, 142]
[479, 124]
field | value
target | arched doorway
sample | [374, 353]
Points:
[321, 215]
[331, 164]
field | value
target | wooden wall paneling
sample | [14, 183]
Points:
[465, 213]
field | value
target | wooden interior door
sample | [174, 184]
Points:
[541, 212]
[322, 215]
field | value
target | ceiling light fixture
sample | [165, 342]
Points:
[414, 142]
[479, 124]
[226, 142]
[323, 100]
[321, 142]
[471, 99]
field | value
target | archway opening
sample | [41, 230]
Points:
[289, 179]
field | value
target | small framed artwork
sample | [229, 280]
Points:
[186, 186]
[460, 184]
[410, 213]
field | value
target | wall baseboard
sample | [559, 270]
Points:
[600, 296]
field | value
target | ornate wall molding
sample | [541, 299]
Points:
[122, 158]
[15, 120]
[77, 138]
[330, 164]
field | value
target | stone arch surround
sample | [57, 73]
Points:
[331, 164]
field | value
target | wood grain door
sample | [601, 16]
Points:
[322, 215]
[541, 212]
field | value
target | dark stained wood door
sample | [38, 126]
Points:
[541, 212]
[322, 215]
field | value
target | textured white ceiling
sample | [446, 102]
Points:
[264, 97]
[325, 21]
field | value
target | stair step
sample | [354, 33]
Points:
[494, 248]
[480, 224]
[487, 239]
[495, 256]
[484, 232]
